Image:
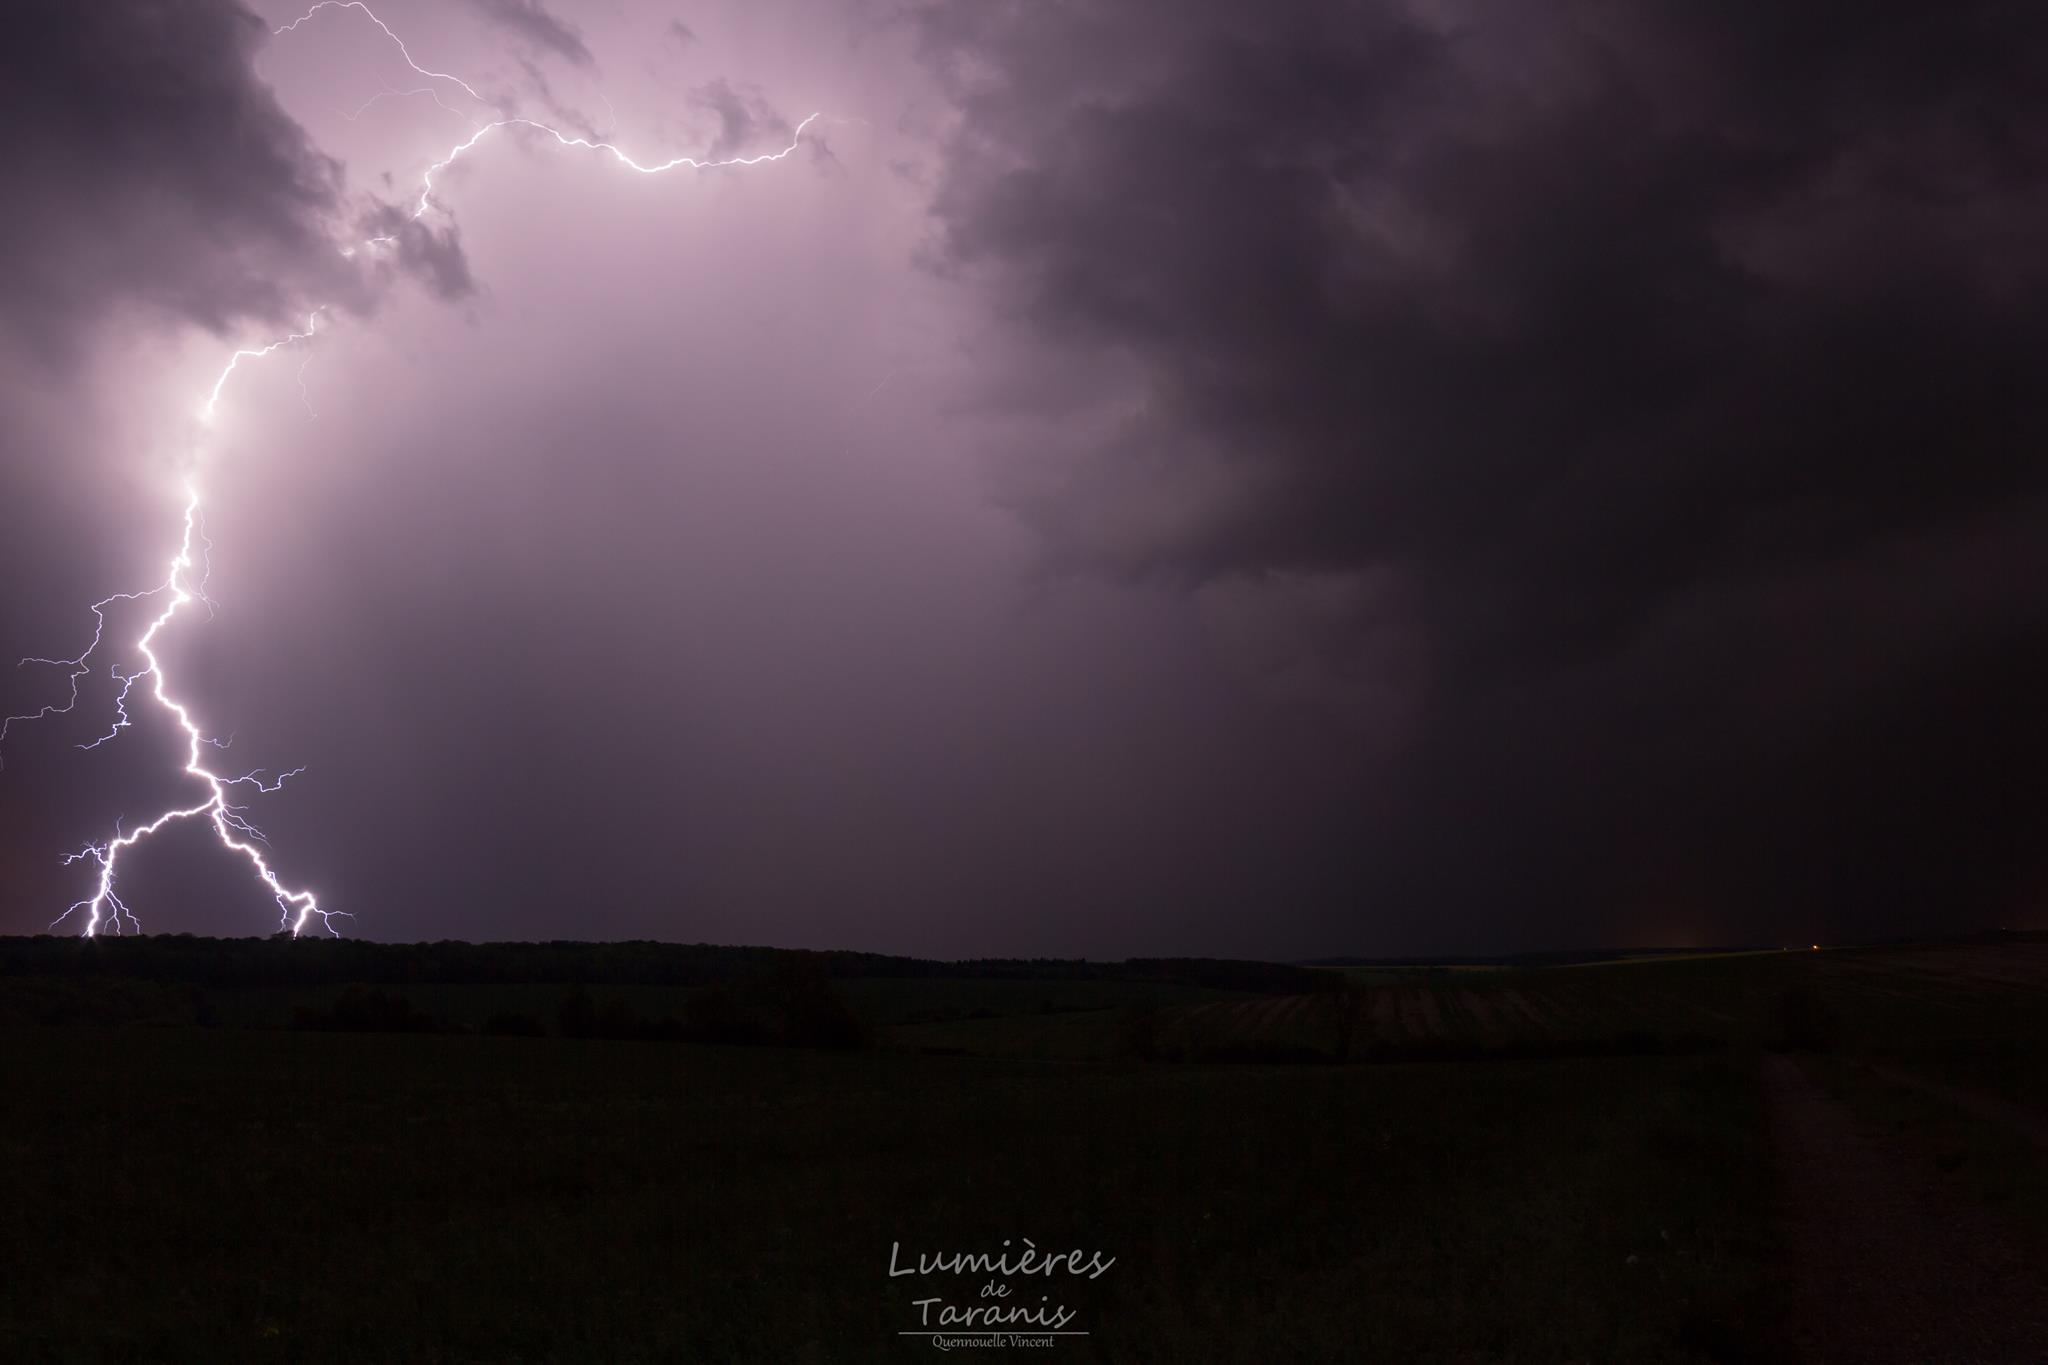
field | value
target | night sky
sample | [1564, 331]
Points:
[1141, 477]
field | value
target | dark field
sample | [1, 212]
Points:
[1972, 1010]
[1576, 1163]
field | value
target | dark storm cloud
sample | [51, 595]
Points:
[531, 21]
[1655, 352]
[150, 166]
[1550, 294]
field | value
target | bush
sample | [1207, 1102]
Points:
[360, 1009]
[1137, 1032]
[792, 1003]
[514, 1024]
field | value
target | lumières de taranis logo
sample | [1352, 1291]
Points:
[1016, 1296]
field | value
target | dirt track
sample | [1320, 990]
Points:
[1884, 1268]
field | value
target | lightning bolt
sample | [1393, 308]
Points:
[400, 42]
[104, 910]
[230, 822]
[426, 90]
[207, 409]
[692, 163]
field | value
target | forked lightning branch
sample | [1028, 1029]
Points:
[184, 583]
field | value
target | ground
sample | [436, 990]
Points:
[1885, 1264]
[1794, 1157]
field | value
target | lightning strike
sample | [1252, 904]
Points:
[104, 910]
[230, 823]
[358, 4]
[385, 94]
[206, 411]
[689, 162]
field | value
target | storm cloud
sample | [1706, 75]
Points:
[1667, 371]
[1530, 289]
[151, 168]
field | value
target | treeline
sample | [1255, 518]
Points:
[789, 1003]
[285, 961]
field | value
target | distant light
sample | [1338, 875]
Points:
[1816, 947]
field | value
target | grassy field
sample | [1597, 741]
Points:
[881, 1002]
[242, 1195]
[1973, 1159]
[1569, 1163]
[1970, 1010]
